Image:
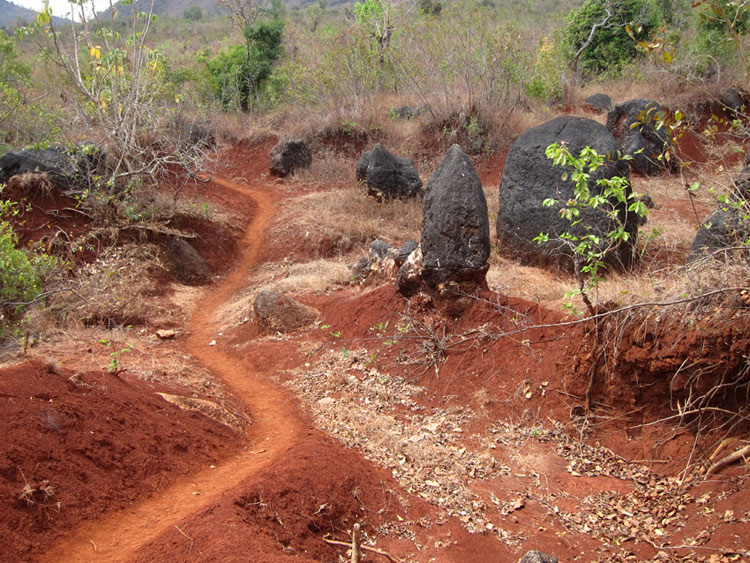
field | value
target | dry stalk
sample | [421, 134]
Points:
[356, 547]
[727, 460]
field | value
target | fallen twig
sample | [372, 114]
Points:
[731, 458]
[365, 548]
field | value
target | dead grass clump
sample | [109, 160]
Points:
[339, 222]
[29, 186]
[118, 288]
[212, 410]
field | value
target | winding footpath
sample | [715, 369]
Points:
[274, 429]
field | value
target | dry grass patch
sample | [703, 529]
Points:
[118, 288]
[422, 448]
[338, 223]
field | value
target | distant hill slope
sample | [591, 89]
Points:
[175, 8]
[12, 16]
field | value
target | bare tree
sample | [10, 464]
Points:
[117, 77]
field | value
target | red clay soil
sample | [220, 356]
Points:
[77, 446]
[287, 487]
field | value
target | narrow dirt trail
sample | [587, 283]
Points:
[274, 428]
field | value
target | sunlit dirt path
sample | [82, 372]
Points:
[273, 430]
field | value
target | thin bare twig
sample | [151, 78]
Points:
[365, 548]
[727, 460]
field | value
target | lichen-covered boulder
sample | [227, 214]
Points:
[455, 228]
[388, 176]
[529, 178]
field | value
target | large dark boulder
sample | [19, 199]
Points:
[185, 263]
[722, 229]
[735, 101]
[388, 176]
[635, 124]
[598, 103]
[529, 178]
[194, 134]
[288, 156]
[68, 168]
[455, 229]
[276, 312]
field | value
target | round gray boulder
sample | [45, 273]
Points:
[529, 178]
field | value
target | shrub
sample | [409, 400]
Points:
[238, 74]
[545, 83]
[193, 13]
[610, 48]
[12, 74]
[21, 272]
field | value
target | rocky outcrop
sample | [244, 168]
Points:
[185, 263]
[68, 168]
[403, 253]
[409, 276]
[388, 176]
[289, 156]
[381, 257]
[635, 125]
[276, 312]
[530, 177]
[455, 228]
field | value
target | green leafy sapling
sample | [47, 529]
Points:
[588, 246]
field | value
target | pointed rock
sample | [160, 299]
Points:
[455, 229]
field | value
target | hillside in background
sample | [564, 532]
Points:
[12, 16]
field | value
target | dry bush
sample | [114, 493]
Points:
[339, 222]
[118, 288]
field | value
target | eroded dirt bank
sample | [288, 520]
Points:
[456, 440]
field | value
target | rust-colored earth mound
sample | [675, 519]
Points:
[78, 445]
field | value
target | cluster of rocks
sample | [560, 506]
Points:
[450, 259]
[451, 256]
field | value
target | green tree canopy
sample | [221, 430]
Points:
[238, 74]
[595, 33]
